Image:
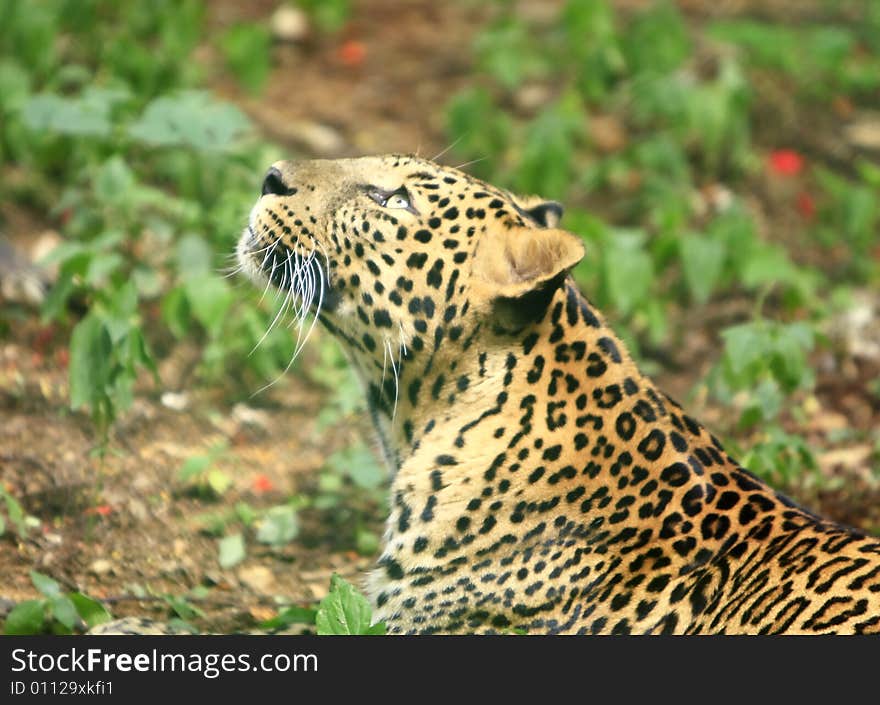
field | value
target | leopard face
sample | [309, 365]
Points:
[405, 262]
[540, 482]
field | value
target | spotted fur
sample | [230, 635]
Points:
[539, 482]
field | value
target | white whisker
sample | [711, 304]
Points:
[472, 161]
[395, 370]
[455, 142]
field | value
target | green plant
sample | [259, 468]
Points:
[57, 612]
[247, 50]
[762, 362]
[275, 527]
[781, 457]
[15, 515]
[199, 473]
[345, 611]
[850, 215]
[106, 349]
[328, 15]
[820, 60]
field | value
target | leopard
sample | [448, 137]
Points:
[540, 483]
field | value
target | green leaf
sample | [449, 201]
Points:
[15, 513]
[176, 313]
[85, 115]
[45, 584]
[366, 542]
[702, 260]
[328, 15]
[627, 270]
[245, 513]
[232, 551]
[279, 527]
[218, 481]
[345, 611]
[64, 611]
[507, 52]
[182, 608]
[291, 615]
[209, 297]
[193, 256]
[765, 403]
[766, 264]
[114, 181]
[743, 345]
[101, 266]
[67, 116]
[791, 345]
[90, 610]
[359, 463]
[28, 617]
[90, 362]
[190, 119]
[14, 85]
[248, 52]
[193, 467]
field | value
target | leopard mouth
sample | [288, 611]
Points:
[302, 274]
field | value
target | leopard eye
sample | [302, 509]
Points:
[397, 200]
[378, 197]
[392, 199]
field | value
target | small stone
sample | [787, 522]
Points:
[607, 133]
[138, 509]
[101, 567]
[261, 613]
[864, 132]
[289, 24]
[319, 590]
[250, 417]
[44, 244]
[531, 97]
[176, 401]
[259, 579]
[321, 140]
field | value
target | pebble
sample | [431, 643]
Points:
[176, 401]
[101, 566]
[259, 579]
[321, 140]
[289, 24]
[249, 416]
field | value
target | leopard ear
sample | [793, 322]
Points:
[545, 213]
[515, 261]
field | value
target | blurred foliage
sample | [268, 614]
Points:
[631, 123]
[328, 15]
[56, 612]
[627, 118]
[150, 177]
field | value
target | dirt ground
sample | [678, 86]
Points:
[115, 525]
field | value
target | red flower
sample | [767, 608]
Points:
[352, 53]
[102, 509]
[263, 484]
[806, 205]
[785, 162]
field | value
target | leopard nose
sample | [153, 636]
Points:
[274, 184]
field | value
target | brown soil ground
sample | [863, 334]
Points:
[116, 524]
